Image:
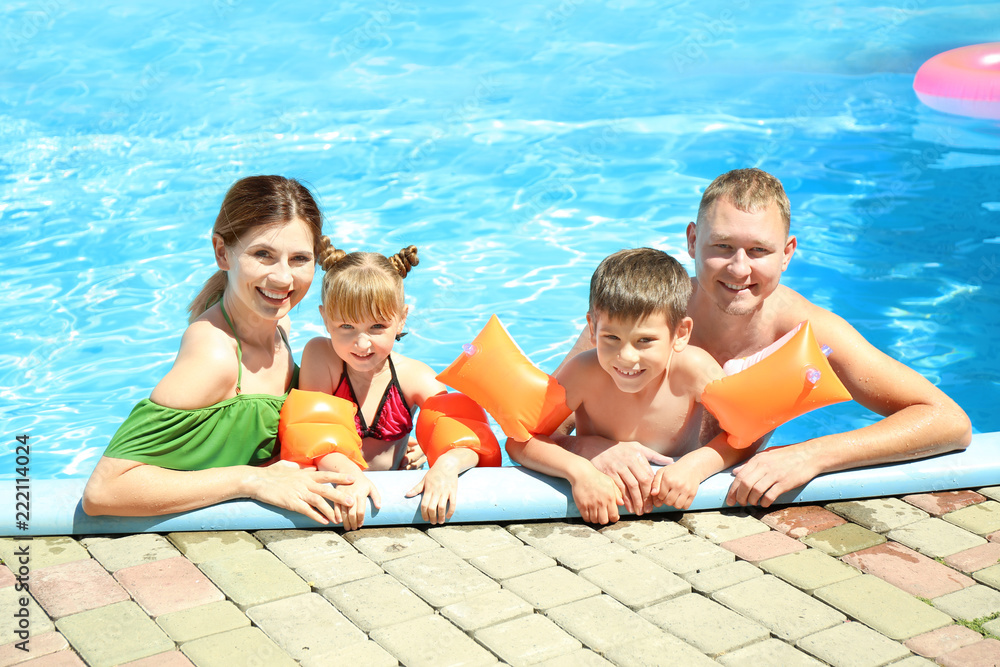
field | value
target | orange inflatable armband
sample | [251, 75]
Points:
[313, 424]
[793, 379]
[447, 421]
[494, 373]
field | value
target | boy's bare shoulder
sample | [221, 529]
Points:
[580, 377]
[695, 368]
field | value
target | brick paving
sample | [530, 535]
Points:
[903, 581]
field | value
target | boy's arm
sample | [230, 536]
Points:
[595, 494]
[677, 484]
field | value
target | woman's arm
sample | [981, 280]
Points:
[128, 488]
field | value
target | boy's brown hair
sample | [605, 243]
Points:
[750, 190]
[635, 283]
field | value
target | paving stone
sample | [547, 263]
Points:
[172, 584]
[942, 502]
[245, 646]
[486, 609]
[585, 558]
[852, 645]
[636, 581]
[914, 661]
[755, 548]
[970, 603]
[579, 658]
[981, 519]
[333, 568]
[254, 577]
[197, 622]
[809, 569]
[364, 654]
[510, 563]
[431, 641]
[385, 544]
[527, 640]
[210, 545]
[168, 659]
[935, 538]
[688, 554]
[981, 654]
[802, 520]
[550, 588]
[704, 624]
[440, 577]
[976, 558]
[989, 576]
[473, 540]
[908, 570]
[994, 537]
[843, 539]
[114, 634]
[883, 607]
[943, 640]
[784, 610]
[10, 604]
[557, 539]
[38, 645]
[306, 626]
[879, 514]
[118, 552]
[769, 652]
[635, 534]
[74, 586]
[7, 577]
[58, 659]
[376, 602]
[991, 492]
[717, 578]
[992, 628]
[723, 526]
[42, 552]
[601, 622]
[657, 650]
[295, 548]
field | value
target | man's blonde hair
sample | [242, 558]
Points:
[750, 190]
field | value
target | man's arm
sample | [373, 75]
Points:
[919, 420]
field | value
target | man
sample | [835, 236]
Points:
[741, 245]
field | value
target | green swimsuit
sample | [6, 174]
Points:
[238, 431]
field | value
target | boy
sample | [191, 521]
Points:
[642, 383]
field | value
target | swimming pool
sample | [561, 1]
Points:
[516, 146]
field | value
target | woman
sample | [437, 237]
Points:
[205, 433]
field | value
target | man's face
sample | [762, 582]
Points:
[739, 257]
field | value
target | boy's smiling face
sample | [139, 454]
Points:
[637, 354]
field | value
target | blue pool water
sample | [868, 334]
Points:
[515, 143]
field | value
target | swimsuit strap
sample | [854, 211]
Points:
[239, 349]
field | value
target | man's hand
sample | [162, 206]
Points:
[770, 473]
[627, 463]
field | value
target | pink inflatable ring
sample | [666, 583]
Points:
[963, 81]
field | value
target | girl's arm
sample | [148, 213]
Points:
[440, 485]
[128, 488]
[321, 367]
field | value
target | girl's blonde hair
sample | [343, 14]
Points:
[362, 286]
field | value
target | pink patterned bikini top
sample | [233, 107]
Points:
[393, 419]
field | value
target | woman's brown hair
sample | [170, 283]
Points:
[250, 203]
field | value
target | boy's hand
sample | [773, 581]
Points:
[597, 497]
[628, 463]
[674, 485]
[354, 517]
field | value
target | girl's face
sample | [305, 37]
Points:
[364, 346]
[269, 269]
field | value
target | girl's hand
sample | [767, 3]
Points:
[307, 492]
[359, 491]
[440, 484]
[414, 457]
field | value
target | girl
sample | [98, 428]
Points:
[364, 313]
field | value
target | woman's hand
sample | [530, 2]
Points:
[307, 492]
